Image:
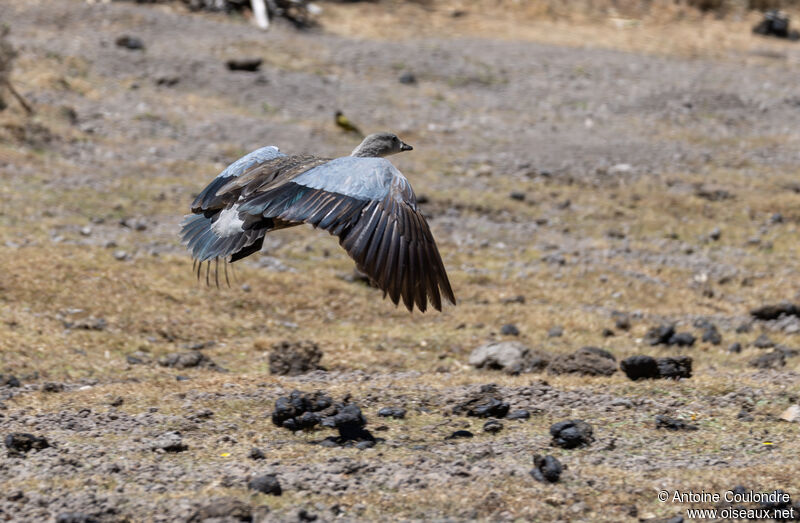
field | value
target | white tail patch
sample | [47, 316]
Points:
[228, 222]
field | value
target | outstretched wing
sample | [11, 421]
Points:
[371, 207]
[217, 229]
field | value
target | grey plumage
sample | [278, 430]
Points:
[363, 199]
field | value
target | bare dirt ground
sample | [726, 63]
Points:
[656, 176]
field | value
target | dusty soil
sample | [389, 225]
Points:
[655, 181]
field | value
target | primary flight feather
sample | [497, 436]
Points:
[362, 198]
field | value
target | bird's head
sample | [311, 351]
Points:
[379, 145]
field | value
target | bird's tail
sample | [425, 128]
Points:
[207, 246]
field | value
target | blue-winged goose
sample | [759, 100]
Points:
[362, 198]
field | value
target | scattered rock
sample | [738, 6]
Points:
[665, 422]
[571, 434]
[134, 43]
[407, 78]
[763, 342]
[772, 360]
[791, 414]
[515, 299]
[517, 195]
[587, 361]
[775, 23]
[52, 387]
[773, 312]
[304, 515]
[299, 410]
[294, 358]
[715, 234]
[712, 195]
[350, 423]
[640, 367]
[244, 64]
[169, 442]
[188, 360]
[510, 356]
[509, 329]
[621, 320]
[518, 414]
[223, 509]
[745, 415]
[121, 255]
[646, 367]
[711, 335]
[256, 454]
[89, 324]
[485, 403]
[682, 339]
[7, 380]
[735, 348]
[555, 332]
[20, 443]
[392, 412]
[492, 426]
[546, 469]
[659, 335]
[138, 358]
[266, 484]
[460, 434]
[675, 367]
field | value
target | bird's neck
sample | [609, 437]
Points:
[365, 151]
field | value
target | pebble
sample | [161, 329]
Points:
[518, 414]
[288, 358]
[19, 443]
[460, 434]
[169, 442]
[256, 454]
[133, 43]
[763, 342]
[266, 484]
[392, 412]
[571, 434]
[492, 426]
[509, 329]
[555, 332]
[407, 78]
[546, 469]
[665, 422]
[244, 64]
[771, 360]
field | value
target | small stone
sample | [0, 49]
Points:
[266, 484]
[640, 367]
[407, 78]
[133, 43]
[587, 361]
[509, 329]
[86, 231]
[169, 442]
[735, 348]
[121, 255]
[517, 195]
[294, 358]
[244, 64]
[76, 517]
[791, 414]
[675, 367]
[776, 218]
[659, 335]
[223, 509]
[515, 299]
[492, 407]
[304, 515]
[52, 387]
[711, 335]
[555, 332]
[518, 414]
[510, 356]
[546, 469]
[7, 380]
[665, 422]
[773, 312]
[771, 360]
[715, 234]
[682, 339]
[256, 454]
[187, 360]
[492, 426]
[19, 443]
[763, 342]
[571, 434]
[392, 412]
[622, 321]
[745, 415]
[460, 434]
[607, 333]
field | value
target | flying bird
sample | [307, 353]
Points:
[345, 124]
[362, 198]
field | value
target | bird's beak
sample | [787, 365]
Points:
[405, 147]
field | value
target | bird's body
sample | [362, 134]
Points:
[363, 199]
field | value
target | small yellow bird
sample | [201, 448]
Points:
[345, 124]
